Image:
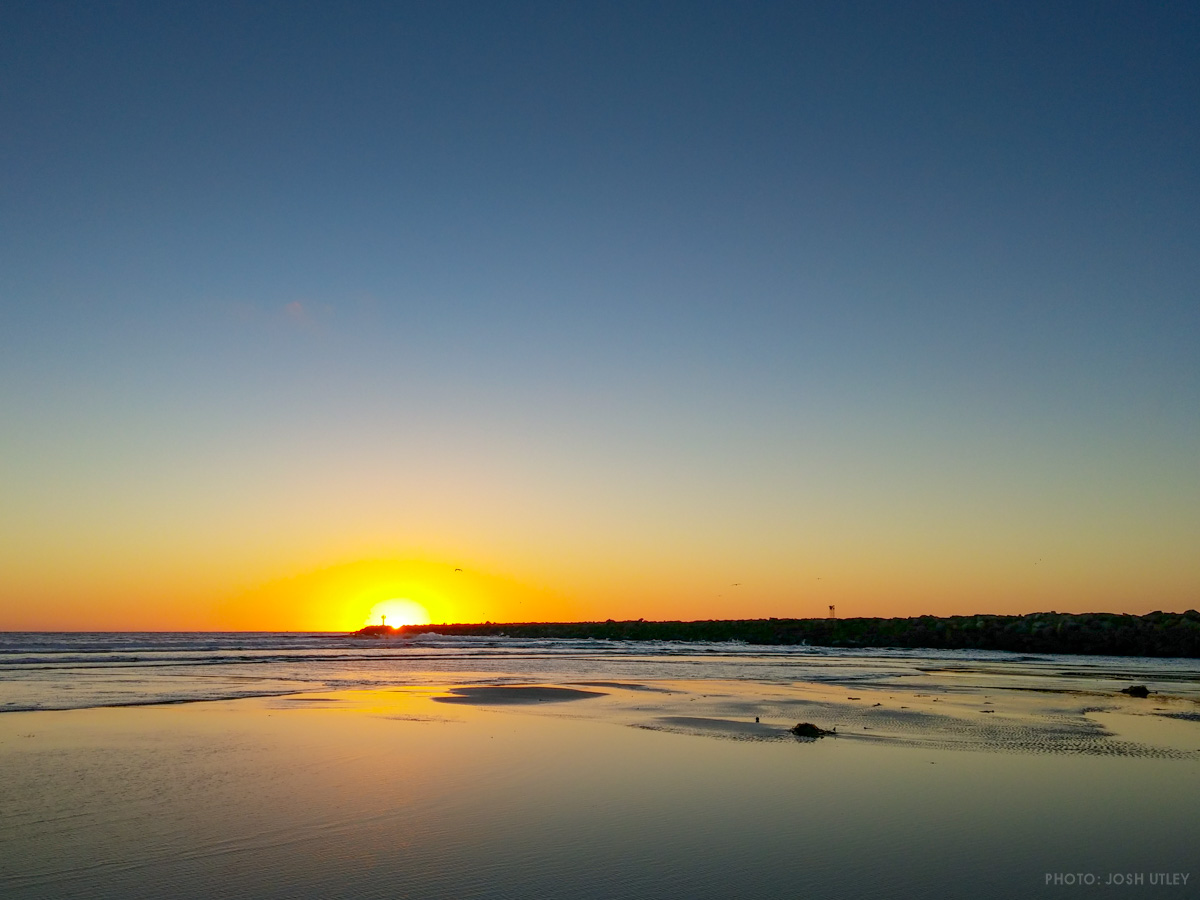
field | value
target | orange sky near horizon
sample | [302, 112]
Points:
[123, 542]
[339, 598]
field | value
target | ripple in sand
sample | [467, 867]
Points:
[730, 729]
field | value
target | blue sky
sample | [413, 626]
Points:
[626, 300]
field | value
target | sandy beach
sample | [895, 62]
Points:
[604, 788]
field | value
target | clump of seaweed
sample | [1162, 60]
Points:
[809, 730]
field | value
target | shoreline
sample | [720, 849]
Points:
[934, 714]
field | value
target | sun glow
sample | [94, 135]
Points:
[347, 596]
[397, 611]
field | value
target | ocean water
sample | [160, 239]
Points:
[42, 671]
[311, 765]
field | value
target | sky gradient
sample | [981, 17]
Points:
[670, 310]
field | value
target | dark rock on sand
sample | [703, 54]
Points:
[809, 730]
[1137, 690]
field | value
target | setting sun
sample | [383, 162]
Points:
[396, 612]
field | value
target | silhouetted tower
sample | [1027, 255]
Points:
[832, 614]
[383, 619]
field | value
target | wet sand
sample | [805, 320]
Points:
[1012, 720]
[500, 695]
[602, 788]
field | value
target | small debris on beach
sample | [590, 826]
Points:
[809, 730]
[1136, 690]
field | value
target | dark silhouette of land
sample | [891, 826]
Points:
[1111, 634]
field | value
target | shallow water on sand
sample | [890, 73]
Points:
[969, 778]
